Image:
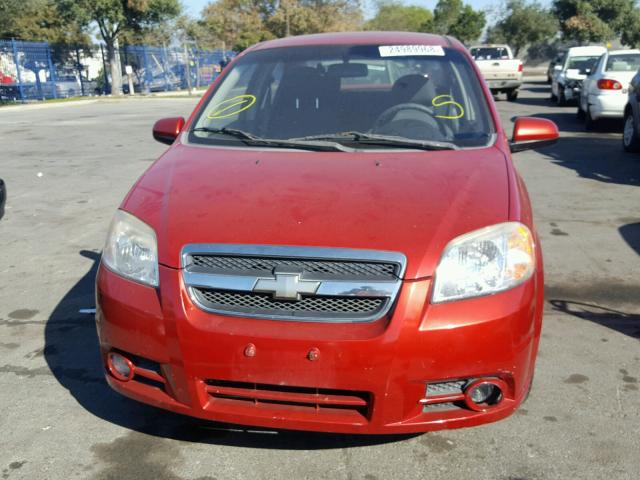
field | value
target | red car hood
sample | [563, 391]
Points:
[413, 203]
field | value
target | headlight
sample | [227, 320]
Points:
[131, 249]
[483, 262]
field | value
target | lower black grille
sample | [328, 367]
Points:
[308, 307]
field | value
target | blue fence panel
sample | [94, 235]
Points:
[157, 69]
[26, 71]
[209, 63]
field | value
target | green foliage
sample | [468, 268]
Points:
[523, 24]
[238, 24]
[453, 17]
[235, 24]
[38, 20]
[631, 30]
[114, 16]
[394, 16]
[593, 20]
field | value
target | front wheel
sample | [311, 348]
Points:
[560, 99]
[512, 95]
[630, 141]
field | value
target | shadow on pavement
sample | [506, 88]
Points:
[72, 354]
[596, 157]
[626, 323]
[535, 101]
[538, 88]
[631, 234]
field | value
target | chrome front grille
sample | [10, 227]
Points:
[292, 283]
[262, 265]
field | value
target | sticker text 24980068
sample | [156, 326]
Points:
[411, 50]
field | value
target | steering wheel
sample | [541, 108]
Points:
[385, 117]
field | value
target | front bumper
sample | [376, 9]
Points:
[370, 377]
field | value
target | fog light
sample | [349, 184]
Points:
[120, 366]
[484, 394]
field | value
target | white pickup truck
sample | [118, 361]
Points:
[502, 72]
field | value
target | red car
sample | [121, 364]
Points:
[336, 240]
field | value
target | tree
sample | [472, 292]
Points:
[113, 17]
[594, 20]
[239, 24]
[236, 24]
[631, 30]
[39, 21]
[393, 15]
[523, 24]
[291, 18]
[453, 17]
[334, 15]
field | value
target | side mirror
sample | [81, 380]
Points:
[167, 130]
[533, 132]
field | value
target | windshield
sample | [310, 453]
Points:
[348, 94]
[623, 63]
[489, 53]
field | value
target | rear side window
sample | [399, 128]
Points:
[623, 63]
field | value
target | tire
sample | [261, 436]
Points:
[560, 100]
[589, 122]
[512, 95]
[630, 140]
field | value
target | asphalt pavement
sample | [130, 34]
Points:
[67, 168]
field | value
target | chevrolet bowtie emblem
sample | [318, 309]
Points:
[287, 285]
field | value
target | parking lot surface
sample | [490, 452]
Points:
[68, 166]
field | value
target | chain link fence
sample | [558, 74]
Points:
[29, 71]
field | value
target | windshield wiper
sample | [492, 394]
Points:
[254, 140]
[388, 140]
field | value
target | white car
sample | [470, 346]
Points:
[573, 68]
[605, 91]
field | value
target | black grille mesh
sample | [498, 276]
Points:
[442, 388]
[260, 265]
[263, 303]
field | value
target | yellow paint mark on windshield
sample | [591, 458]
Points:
[448, 100]
[232, 106]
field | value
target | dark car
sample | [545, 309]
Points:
[3, 197]
[557, 60]
[631, 132]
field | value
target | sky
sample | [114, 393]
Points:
[194, 7]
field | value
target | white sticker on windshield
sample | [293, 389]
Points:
[411, 50]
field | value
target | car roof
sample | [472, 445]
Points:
[587, 50]
[362, 38]
[626, 51]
